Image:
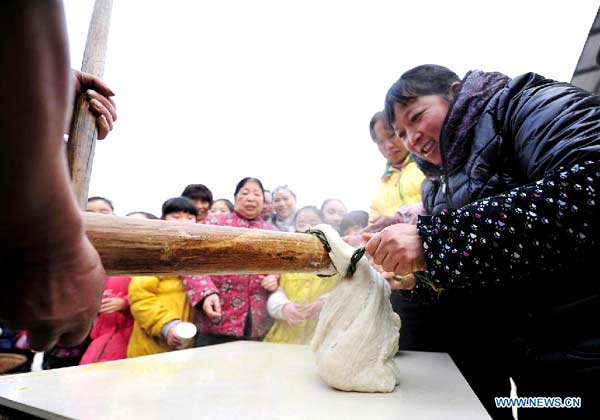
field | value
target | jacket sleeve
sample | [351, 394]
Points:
[198, 287]
[277, 300]
[542, 227]
[145, 306]
[549, 124]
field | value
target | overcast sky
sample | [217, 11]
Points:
[213, 91]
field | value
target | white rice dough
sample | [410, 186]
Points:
[357, 334]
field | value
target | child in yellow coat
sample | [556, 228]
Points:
[159, 303]
[297, 303]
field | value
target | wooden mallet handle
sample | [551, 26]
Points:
[83, 132]
[136, 246]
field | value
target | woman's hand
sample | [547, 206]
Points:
[269, 283]
[355, 240]
[397, 248]
[410, 213]
[292, 314]
[212, 306]
[112, 304]
[99, 96]
[385, 274]
[379, 223]
[407, 282]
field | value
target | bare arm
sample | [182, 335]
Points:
[53, 276]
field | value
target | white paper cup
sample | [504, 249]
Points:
[186, 331]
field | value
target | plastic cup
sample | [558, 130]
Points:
[186, 331]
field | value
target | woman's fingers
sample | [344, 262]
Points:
[407, 282]
[397, 248]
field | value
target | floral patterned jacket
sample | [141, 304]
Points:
[241, 295]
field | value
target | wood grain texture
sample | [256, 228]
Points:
[136, 246]
[83, 133]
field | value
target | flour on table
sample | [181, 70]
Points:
[357, 334]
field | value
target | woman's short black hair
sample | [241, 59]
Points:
[143, 213]
[198, 192]
[354, 218]
[243, 182]
[427, 79]
[106, 200]
[228, 203]
[176, 204]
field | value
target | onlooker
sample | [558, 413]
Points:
[284, 205]
[513, 180]
[354, 222]
[112, 329]
[100, 205]
[159, 303]
[402, 178]
[221, 206]
[306, 218]
[267, 213]
[298, 301]
[8, 337]
[233, 307]
[332, 212]
[141, 215]
[202, 198]
[179, 209]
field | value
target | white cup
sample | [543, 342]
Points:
[186, 331]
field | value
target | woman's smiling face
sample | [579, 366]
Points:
[419, 123]
[284, 203]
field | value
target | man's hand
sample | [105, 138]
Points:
[212, 306]
[99, 96]
[397, 248]
[55, 294]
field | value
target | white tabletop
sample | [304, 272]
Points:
[241, 380]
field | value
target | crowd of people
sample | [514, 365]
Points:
[138, 314]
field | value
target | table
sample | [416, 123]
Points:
[242, 381]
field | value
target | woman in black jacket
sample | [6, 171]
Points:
[513, 176]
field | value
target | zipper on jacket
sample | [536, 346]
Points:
[444, 175]
[443, 182]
